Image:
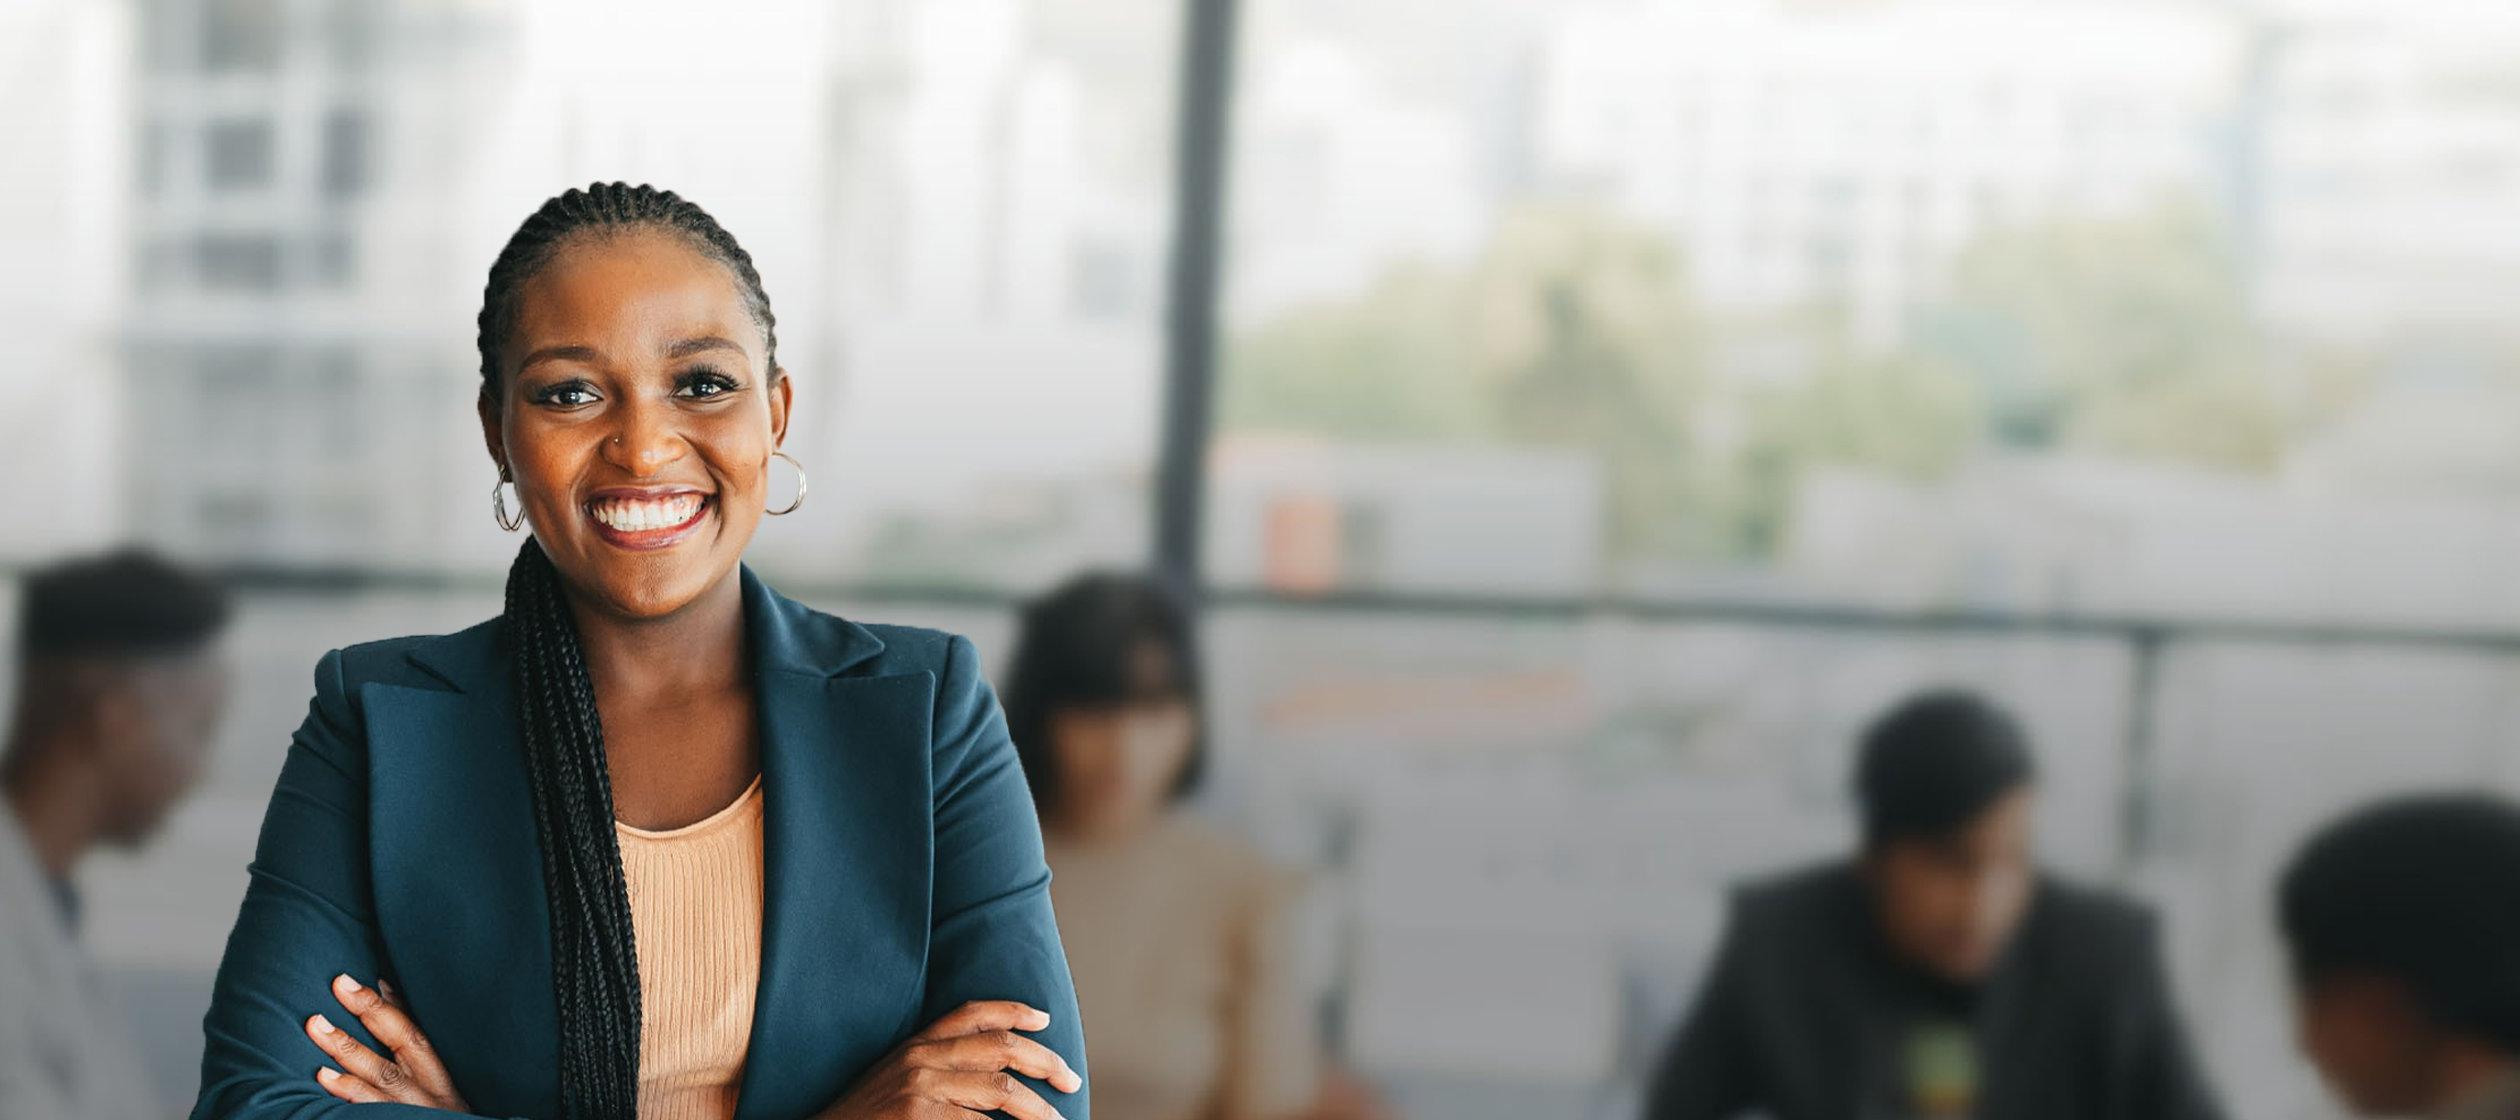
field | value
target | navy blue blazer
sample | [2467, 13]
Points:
[904, 872]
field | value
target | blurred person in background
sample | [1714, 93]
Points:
[656, 842]
[1182, 939]
[120, 687]
[2403, 924]
[1939, 973]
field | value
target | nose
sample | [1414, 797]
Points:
[645, 440]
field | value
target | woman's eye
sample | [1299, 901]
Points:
[707, 383]
[568, 394]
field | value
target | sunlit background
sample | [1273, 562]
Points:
[1583, 415]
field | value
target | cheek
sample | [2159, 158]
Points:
[543, 458]
[1969, 910]
[737, 447]
[2352, 1050]
[2319, 1038]
[1085, 750]
[741, 463]
[2354, 1060]
[2003, 899]
[1154, 758]
[143, 790]
[1907, 904]
[1925, 899]
[1954, 917]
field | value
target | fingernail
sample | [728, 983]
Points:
[345, 983]
[325, 1074]
[1040, 1019]
[385, 986]
[322, 1025]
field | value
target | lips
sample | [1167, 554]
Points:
[647, 519]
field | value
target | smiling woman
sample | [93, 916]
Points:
[834, 902]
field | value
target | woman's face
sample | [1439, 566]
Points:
[1118, 762]
[637, 412]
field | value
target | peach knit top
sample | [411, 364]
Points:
[695, 907]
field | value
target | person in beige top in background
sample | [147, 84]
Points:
[1180, 938]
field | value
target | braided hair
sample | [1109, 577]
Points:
[595, 973]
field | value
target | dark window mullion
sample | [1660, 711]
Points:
[1201, 147]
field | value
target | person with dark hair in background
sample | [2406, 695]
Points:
[120, 687]
[1939, 973]
[656, 842]
[2403, 924]
[1179, 936]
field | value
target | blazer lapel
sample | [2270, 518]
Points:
[458, 874]
[845, 881]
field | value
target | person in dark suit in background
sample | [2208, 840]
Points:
[1939, 973]
[2404, 931]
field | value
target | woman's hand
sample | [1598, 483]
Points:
[958, 1067]
[413, 1076]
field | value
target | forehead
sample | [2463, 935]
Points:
[190, 674]
[2004, 823]
[1153, 666]
[626, 289]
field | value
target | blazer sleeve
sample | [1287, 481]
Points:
[307, 917]
[1706, 1072]
[993, 936]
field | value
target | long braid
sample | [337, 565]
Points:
[595, 972]
[595, 967]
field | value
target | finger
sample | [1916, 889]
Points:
[385, 988]
[984, 1015]
[991, 1051]
[359, 1061]
[996, 1092]
[364, 1063]
[392, 1026]
[349, 1088]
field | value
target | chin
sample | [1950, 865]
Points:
[646, 591]
[136, 835]
[1966, 967]
[658, 602]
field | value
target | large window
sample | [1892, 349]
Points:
[2033, 307]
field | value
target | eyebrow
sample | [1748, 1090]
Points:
[690, 346]
[557, 354]
[682, 349]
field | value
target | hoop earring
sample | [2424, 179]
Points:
[499, 509]
[800, 485]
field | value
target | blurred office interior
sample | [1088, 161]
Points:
[1579, 415]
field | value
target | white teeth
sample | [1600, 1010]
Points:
[633, 515]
